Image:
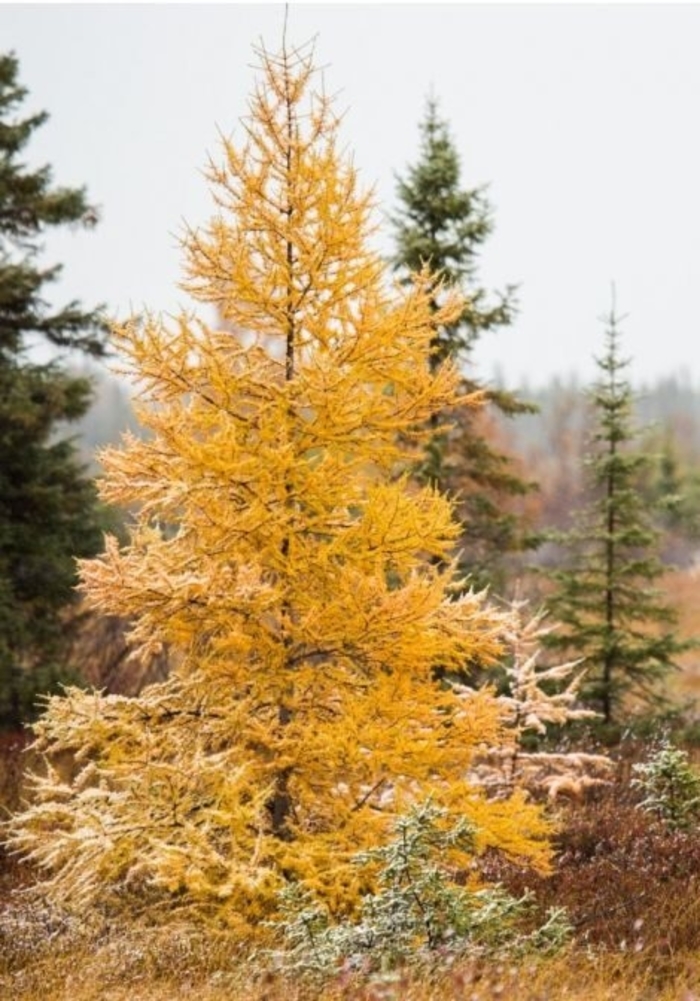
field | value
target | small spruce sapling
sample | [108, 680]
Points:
[670, 785]
[606, 595]
[421, 905]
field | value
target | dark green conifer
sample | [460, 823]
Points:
[48, 509]
[606, 597]
[443, 225]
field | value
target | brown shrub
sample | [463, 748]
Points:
[627, 882]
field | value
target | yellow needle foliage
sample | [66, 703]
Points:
[282, 553]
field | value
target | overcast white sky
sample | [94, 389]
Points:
[582, 119]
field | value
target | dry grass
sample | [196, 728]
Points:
[48, 957]
[681, 589]
[121, 967]
[45, 955]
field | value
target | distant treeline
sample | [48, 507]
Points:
[669, 409]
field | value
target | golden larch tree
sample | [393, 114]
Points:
[281, 551]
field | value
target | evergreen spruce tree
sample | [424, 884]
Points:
[442, 225]
[48, 512]
[605, 598]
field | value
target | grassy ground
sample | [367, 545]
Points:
[45, 956]
[631, 889]
[118, 969]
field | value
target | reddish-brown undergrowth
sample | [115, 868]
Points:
[627, 882]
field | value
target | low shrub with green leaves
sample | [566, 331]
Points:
[417, 912]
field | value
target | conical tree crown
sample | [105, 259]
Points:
[281, 550]
[443, 225]
[295, 425]
[29, 204]
[440, 219]
[606, 595]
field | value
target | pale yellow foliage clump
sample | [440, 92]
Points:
[538, 696]
[281, 551]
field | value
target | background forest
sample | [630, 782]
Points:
[374, 679]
